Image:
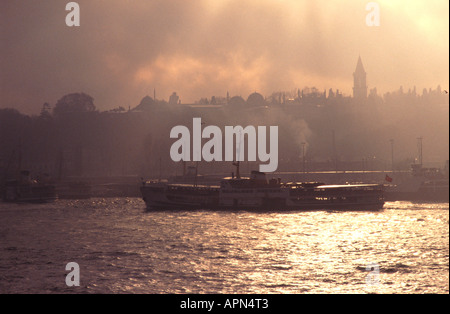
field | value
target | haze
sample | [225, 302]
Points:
[125, 50]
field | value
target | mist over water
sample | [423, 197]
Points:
[324, 131]
[94, 105]
[289, 64]
[123, 249]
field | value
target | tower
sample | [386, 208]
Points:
[359, 81]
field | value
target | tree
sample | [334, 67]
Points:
[74, 103]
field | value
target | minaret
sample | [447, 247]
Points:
[359, 81]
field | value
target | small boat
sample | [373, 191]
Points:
[27, 190]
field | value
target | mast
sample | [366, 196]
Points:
[238, 175]
[419, 147]
[303, 157]
[334, 151]
[392, 154]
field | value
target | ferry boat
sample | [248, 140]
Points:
[259, 194]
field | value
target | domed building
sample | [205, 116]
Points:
[236, 101]
[146, 104]
[256, 99]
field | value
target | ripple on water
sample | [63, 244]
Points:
[123, 249]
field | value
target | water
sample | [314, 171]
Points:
[120, 248]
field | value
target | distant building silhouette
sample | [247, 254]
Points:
[146, 104]
[256, 99]
[237, 101]
[174, 99]
[359, 82]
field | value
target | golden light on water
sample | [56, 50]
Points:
[222, 252]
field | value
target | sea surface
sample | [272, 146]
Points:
[121, 248]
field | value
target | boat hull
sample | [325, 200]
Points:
[159, 198]
[428, 191]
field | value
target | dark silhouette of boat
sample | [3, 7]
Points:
[421, 184]
[27, 190]
[258, 193]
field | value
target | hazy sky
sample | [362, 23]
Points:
[200, 48]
